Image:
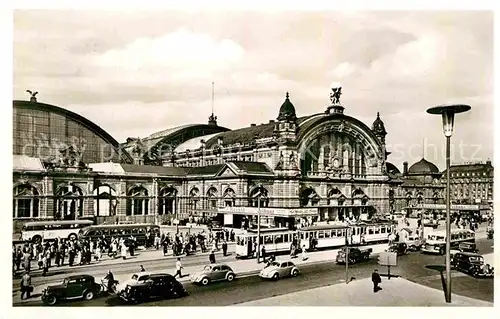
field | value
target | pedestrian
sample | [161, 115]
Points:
[142, 268]
[26, 288]
[211, 257]
[224, 248]
[178, 268]
[304, 255]
[376, 281]
[165, 247]
[124, 251]
[45, 265]
[263, 254]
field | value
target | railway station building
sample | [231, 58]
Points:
[293, 169]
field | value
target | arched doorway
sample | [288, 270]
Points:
[69, 203]
[26, 203]
[336, 200]
[259, 193]
[137, 201]
[194, 199]
[104, 201]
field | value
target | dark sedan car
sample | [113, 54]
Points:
[158, 286]
[472, 264]
[72, 287]
[399, 248]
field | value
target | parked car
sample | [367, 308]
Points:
[355, 255]
[72, 287]
[157, 286]
[135, 278]
[468, 248]
[472, 264]
[399, 248]
[279, 269]
[211, 273]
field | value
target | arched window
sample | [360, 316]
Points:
[335, 194]
[309, 197]
[104, 201]
[137, 201]
[194, 197]
[212, 198]
[259, 193]
[167, 201]
[229, 197]
[26, 203]
[69, 203]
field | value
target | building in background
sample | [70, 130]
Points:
[471, 183]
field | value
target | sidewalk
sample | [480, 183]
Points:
[142, 255]
[242, 268]
[396, 292]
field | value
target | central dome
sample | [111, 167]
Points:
[422, 167]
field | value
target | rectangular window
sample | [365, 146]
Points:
[328, 233]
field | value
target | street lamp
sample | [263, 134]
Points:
[258, 196]
[448, 114]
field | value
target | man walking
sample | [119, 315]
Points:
[224, 248]
[211, 257]
[178, 267]
[26, 287]
[376, 281]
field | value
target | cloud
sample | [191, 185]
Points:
[137, 72]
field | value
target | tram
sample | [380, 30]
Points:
[323, 236]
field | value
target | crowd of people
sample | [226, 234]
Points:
[44, 255]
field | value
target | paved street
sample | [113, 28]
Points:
[411, 267]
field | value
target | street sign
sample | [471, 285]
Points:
[175, 221]
[388, 259]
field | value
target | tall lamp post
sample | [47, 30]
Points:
[258, 195]
[448, 114]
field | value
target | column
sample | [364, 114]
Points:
[321, 158]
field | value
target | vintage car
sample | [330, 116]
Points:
[135, 278]
[212, 273]
[468, 248]
[414, 242]
[72, 287]
[157, 286]
[399, 248]
[472, 264]
[279, 269]
[355, 255]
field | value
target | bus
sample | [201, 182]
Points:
[50, 230]
[139, 231]
[435, 242]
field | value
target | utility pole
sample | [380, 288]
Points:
[347, 255]
[258, 227]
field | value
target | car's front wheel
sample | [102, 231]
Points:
[88, 295]
[276, 276]
[50, 300]
[230, 277]
[205, 281]
[295, 273]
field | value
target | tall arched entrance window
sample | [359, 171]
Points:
[212, 198]
[137, 201]
[104, 201]
[194, 198]
[26, 203]
[309, 197]
[167, 201]
[69, 203]
[259, 193]
[229, 197]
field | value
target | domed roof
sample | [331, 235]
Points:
[287, 111]
[378, 126]
[423, 166]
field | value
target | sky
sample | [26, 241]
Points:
[138, 72]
